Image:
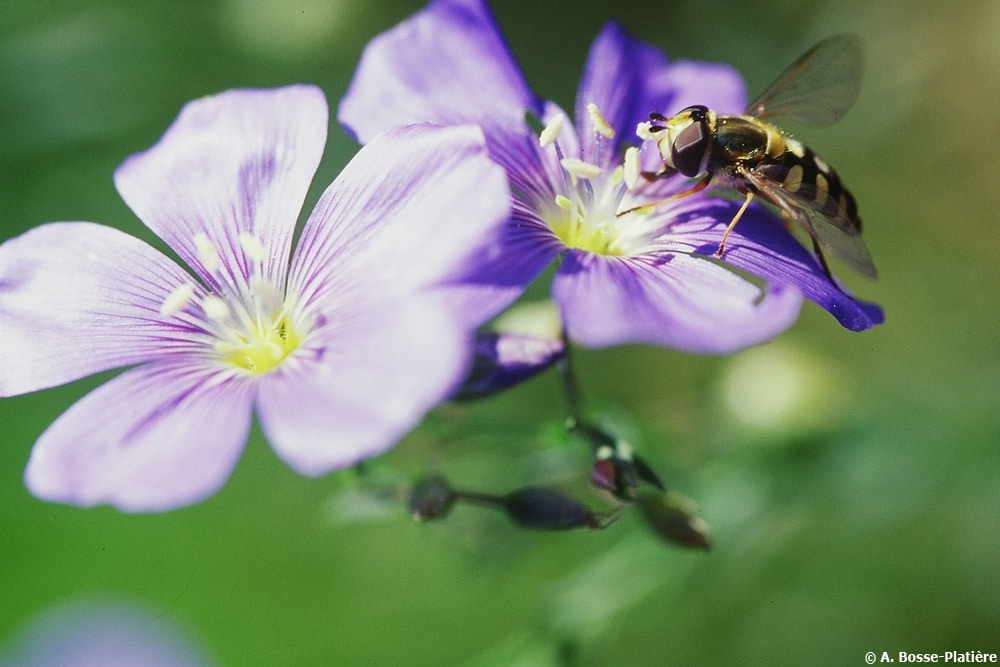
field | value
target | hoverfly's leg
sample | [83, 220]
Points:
[732, 224]
[817, 249]
[826, 267]
[698, 187]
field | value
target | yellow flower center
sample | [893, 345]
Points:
[262, 347]
[585, 212]
[593, 228]
[254, 327]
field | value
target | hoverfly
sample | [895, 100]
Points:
[757, 159]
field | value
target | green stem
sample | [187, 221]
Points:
[570, 384]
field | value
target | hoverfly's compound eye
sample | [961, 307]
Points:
[690, 145]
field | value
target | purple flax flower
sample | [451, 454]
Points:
[647, 276]
[340, 347]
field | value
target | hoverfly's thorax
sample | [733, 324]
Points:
[741, 139]
[686, 145]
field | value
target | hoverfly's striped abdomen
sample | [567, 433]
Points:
[744, 146]
[807, 176]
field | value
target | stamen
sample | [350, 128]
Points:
[551, 131]
[632, 170]
[215, 308]
[207, 253]
[598, 122]
[177, 300]
[579, 169]
[585, 215]
[253, 247]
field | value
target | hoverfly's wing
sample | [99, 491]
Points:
[819, 87]
[827, 222]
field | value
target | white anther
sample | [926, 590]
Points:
[632, 170]
[207, 253]
[579, 169]
[252, 247]
[551, 131]
[215, 308]
[564, 202]
[177, 300]
[598, 122]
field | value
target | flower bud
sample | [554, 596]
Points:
[431, 498]
[545, 509]
[673, 518]
[616, 467]
[502, 361]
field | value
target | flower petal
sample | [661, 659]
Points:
[616, 78]
[157, 437]
[686, 82]
[381, 365]
[77, 298]
[238, 163]
[505, 360]
[418, 206]
[448, 64]
[762, 246]
[675, 300]
[628, 78]
[497, 274]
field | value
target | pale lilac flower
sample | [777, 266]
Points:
[339, 347]
[103, 633]
[642, 277]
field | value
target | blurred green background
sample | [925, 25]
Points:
[851, 481]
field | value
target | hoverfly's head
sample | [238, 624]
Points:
[685, 141]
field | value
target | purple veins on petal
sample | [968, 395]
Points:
[77, 298]
[233, 166]
[340, 346]
[157, 436]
